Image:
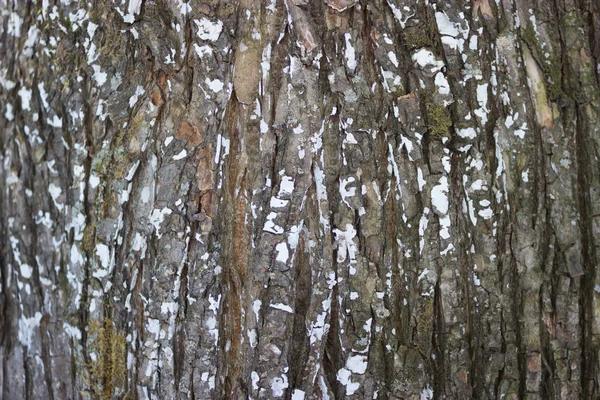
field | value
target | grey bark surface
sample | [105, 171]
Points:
[299, 199]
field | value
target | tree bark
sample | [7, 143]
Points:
[300, 199]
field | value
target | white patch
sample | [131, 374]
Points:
[132, 170]
[473, 43]
[252, 337]
[282, 307]
[255, 380]
[134, 6]
[282, 252]
[477, 185]
[467, 133]
[265, 63]
[264, 127]
[256, 308]
[392, 56]
[72, 331]
[347, 192]
[75, 255]
[346, 245]
[520, 133]
[55, 193]
[14, 24]
[445, 227]
[55, 122]
[214, 85]
[91, 29]
[184, 8]
[26, 271]
[447, 249]
[277, 202]
[446, 163]
[25, 95]
[208, 30]
[420, 179]
[357, 364]
[349, 53]
[94, 181]
[482, 94]
[133, 99]
[442, 83]
[482, 99]
[145, 194]
[445, 26]
[298, 394]
[427, 393]
[398, 14]
[26, 328]
[278, 385]
[182, 154]
[153, 326]
[202, 50]
[486, 214]
[99, 76]
[439, 196]
[286, 186]
[350, 139]
[426, 58]
[103, 253]
[270, 226]
[44, 95]
[157, 217]
[319, 327]
[343, 377]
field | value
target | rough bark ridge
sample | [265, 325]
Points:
[300, 199]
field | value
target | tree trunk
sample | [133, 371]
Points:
[300, 199]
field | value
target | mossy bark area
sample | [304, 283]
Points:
[300, 199]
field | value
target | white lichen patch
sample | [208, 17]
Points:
[426, 60]
[139, 90]
[482, 99]
[55, 193]
[215, 85]
[208, 30]
[181, 155]
[452, 34]
[271, 226]
[157, 217]
[346, 246]
[349, 53]
[286, 186]
[25, 95]
[357, 364]
[278, 385]
[282, 307]
[27, 327]
[344, 377]
[442, 84]
[282, 252]
[439, 196]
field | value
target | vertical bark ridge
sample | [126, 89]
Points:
[300, 199]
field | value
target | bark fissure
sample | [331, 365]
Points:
[300, 199]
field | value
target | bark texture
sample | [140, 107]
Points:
[300, 199]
